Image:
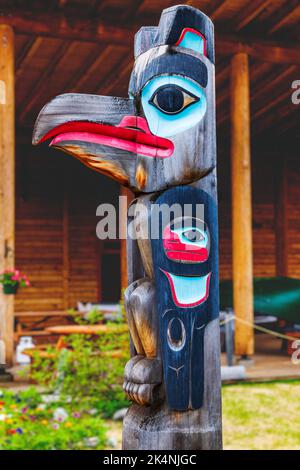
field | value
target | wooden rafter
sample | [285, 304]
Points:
[122, 70]
[132, 11]
[248, 14]
[282, 15]
[94, 66]
[83, 71]
[283, 107]
[216, 8]
[265, 51]
[60, 27]
[23, 62]
[20, 57]
[43, 79]
[267, 89]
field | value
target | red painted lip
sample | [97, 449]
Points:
[132, 134]
[178, 251]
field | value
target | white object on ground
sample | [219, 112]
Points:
[91, 441]
[24, 343]
[233, 372]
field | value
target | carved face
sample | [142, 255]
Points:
[185, 258]
[162, 135]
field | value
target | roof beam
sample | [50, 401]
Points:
[283, 15]
[91, 31]
[248, 14]
[42, 82]
[264, 51]
[63, 27]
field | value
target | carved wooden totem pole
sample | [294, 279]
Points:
[157, 142]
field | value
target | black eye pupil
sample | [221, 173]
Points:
[193, 235]
[170, 99]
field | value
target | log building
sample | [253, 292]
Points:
[48, 201]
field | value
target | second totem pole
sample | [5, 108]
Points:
[160, 142]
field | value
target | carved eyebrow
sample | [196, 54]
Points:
[174, 63]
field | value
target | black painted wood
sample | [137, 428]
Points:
[183, 362]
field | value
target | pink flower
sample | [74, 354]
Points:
[27, 283]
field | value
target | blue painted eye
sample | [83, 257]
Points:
[172, 99]
[193, 235]
[172, 104]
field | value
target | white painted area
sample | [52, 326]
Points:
[233, 372]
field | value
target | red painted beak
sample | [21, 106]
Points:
[131, 134]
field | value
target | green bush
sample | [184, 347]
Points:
[89, 371]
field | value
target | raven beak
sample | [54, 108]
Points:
[101, 131]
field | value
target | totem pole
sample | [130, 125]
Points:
[158, 142]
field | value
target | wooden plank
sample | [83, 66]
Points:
[248, 14]
[217, 7]
[257, 48]
[282, 16]
[58, 26]
[79, 77]
[123, 69]
[42, 82]
[66, 253]
[241, 204]
[52, 313]
[7, 181]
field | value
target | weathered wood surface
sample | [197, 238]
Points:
[163, 136]
[241, 205]
[157, 427]
[7, 181]
[185, 256]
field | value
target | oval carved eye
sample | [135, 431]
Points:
[172, 99]
[193, 235]
[176, 334]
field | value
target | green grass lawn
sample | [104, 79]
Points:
[255, 416]
[261, 416]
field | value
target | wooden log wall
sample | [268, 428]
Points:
[271, 223]
[56, 242]
[41, 217]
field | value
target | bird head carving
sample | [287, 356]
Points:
[163, 134]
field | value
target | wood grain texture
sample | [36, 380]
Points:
[156, 427]
[182, 351]
[151, 143]
[241, 204]
[7, 182]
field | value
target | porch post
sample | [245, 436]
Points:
[7, 181]
[241, 205]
